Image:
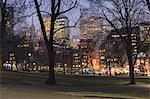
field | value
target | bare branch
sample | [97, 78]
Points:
[58, 7]
[148, 4]
[41, 21]
[68, 9]
[46, 13]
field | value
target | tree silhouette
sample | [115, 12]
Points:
[12, 13]
[122, 16]
[54, 13]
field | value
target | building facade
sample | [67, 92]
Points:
[62, 31]
[89, 25]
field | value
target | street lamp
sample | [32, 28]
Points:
[142, 55]
[109, 60]
[29, 55]
[34, 66]
[34, 63]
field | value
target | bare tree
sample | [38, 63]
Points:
[148, 4]
[114, 51]
[122, 16]
[11, 13]
[54, 13]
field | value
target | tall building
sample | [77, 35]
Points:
[47, 24]
[89, 25]
[76, 60]
[33, 34]
[134, 38]
[62, 34]
[145, 38]
[83, 53]
[75, 41]
[26, 35]
[145, 32]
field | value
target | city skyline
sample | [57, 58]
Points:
[73, 17]
[70, 49]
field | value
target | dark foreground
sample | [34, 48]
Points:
[32, 86]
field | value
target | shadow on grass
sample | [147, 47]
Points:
[105, 97]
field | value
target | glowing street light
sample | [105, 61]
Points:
[29, 54]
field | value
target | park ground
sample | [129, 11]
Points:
[23, 85]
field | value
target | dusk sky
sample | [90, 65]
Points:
[73, 15]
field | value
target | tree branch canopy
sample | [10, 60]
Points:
[123, 16]
[41, 20]
[148, 4]
[68, 9]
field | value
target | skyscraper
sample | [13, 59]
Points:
[62, 32]
[145, 32]
[32, 31]
[89, 25]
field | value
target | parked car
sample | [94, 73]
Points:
[7, 66]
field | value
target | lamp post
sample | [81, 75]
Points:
[25, 65]
[71, 60]
[29, 55]
[34, 66]
[109, 67]
[142, 55]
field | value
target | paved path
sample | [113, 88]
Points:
[9, 91]
[57, 92]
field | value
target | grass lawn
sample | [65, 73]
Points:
[111, 85]
[95, 80]
[71, 80]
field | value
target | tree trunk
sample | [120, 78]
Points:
[1, 58]
[109, 68]
[63, 61]
[49, 43]
[50, 47]
[71, 60]
[51, 79]
[131, 67]
[3, 36]
[92, 62]
[148, 4]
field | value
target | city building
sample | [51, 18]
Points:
[26, 35]
[33, 32]
[76, 60]
[62, 34]
[145, 36]
[145, 32]
[144, 56]
[90, 25]
[91, 29]
[75, 41]
[63, 59]
[84, 52]
[114, 53]
[135, 40]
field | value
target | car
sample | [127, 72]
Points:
[7, 66]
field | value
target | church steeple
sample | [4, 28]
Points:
[32, 30]
[32, 22]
